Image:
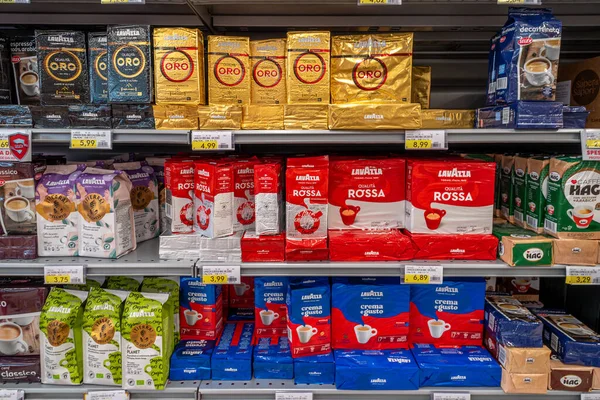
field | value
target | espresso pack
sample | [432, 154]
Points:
[17, 194]
[51, 117]
[132, 116]
[15, 116]
[129, 69]
[62, 65]
[5, 86]
[90, 116]
[24, 60]
[98, 64]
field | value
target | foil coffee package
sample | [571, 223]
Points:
[98, 64]
[421, 86]
[129, 69]
[268, 71]
[308, 67]
[62, 65]
[229, 64]
[179, 66]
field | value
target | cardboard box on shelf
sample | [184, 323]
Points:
[575, 251]
[574, 378]
[513, 382]
[519, 360]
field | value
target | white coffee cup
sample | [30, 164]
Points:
[23, 321]
[437, 327]
[18, 214]
[267, 317]
[364, 333]
[582, 216]
[241, 288]
[30, 88]
[579, 330]
[25, 190]
[551, 50]
[541, 77]
[11, 339]
[305, 332]
[191, 317]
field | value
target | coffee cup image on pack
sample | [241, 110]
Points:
[582, 216]
[267, 317]
[241, 289]
[364, 333]
[349, 213]
[114, 364]
[11, 339]
[306, 221]
[192, 317]
[433, 218]
[437, 327]
[306, 332]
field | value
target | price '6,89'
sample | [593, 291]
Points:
[416, 278]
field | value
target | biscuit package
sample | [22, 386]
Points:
[421, 86]
[373, 68]
[228, 70]
[308, 67]
[129, 69]
[267, 58]
[179, 66]
[62, 65]
[98, 64]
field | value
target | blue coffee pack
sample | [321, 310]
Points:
[98, 65]
[191, 360]
[315, 370]
[511, 323]
[375, 370]
[575, 117]
[240, 315]
[528, 55]
[570, 339]
[232, 358]
[522, 115]
[491, 93]
[463, 366]
[273, 359]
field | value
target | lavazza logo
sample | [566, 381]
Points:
[371, 253]
[273, 284]
[371, 293]
[367, 171]
[378, 381]
[308, 177]
[446, 289]
[202, 172]
[187, 171]
[312, 296]
[454, 173]
[458, 378]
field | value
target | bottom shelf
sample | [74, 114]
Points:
[263, 389]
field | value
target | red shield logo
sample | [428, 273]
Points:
[19, 144]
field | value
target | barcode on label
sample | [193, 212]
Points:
[102, 143]
[435, 279]
[501, 355]
[233, 279]
[169, 210]
[596, 281]
[554, 342]
[532, 221]
[491, 321]
[223, 146]
[492, 87]
[436, 145]
[518, 216]
[550, 226]
[501, 83]
[505, 115]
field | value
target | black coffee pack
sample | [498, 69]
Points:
[132, 116]
[50, 117]
[15, 116]
[62, 64]
[98, 62]
[129, 69]
[90, 116]
[5, 85]
[25, 69]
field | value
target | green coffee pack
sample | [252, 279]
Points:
[90, 282]
[537, 191]
[169, 284]
[102, 337]
[126, 283]
[519, 247]
[507, 177]
[519, 190]
[147, 340]
[61, 347]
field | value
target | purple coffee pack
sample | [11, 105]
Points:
[232, 358]
[528, 55]
[315, 370]
[522, 115]
[273, 359]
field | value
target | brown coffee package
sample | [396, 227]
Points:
[306, 116]
[62, 64]
[374, 68]
[308, 67]
[513, 382]
[524, 360]
[228, 70]
[584, 85]
[17, 198]
[25, 69]
[5, 66]
[573, 378]
[220, 117]
[18, 247]
[421, 86]
[172, 116]
[575, 251]
[178, 66]
[448, 119]
[267, 58]
[375, 116]
[596, 379]
[20, 369]
[262, 117]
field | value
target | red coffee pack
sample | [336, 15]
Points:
[213, 198]
[263, 248]
[179, 183]
[268, 198]
[369, 245]
[243, 192]
[306, 208]
[241, 295]
[450, 196]
[454, 247]
[366, 193]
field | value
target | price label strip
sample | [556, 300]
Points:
[107, 395]
[432, 139]
[221, 275]
[64, 275]
[423, 274]
[98, 139]
[590, 144]
[14, 2]
[212, 140]
[451, 396]
[122, 1]
[12, 394]
[293, 396]
[590, 396]
[379, 2]
[528, 2]
[15, 144]
[583, 276]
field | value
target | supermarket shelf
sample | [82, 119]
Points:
[120, 136]
[35, 391]
[142, 262]
[260, 389]
[451, 268]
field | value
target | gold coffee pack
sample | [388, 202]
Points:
[179, 66]
[374, 68]
[421, 86]
[308, 67]
[305, 116]
[228, 70]
[267, 58]
[220, 117]
[62, 65]
[173, 116]
[374, 116]
[129, 70]
[262, 117]
[98, 64]
[448, 119]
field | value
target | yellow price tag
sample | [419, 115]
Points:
[419, 144]
[215, 279]
[592, 144]
[579, 280]
[3, 144]
[416, 278]
[57, 279]
[372, 1]
[84, 143]
[119, 1]
[204, 145]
